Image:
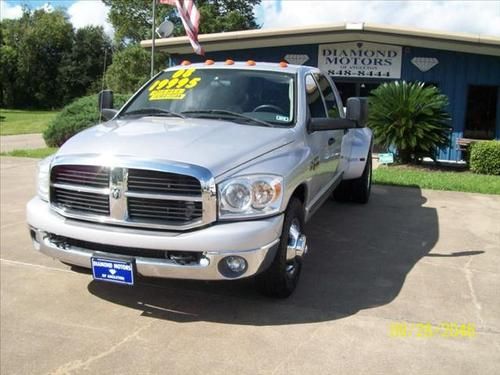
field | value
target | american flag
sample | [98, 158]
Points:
[190, 19]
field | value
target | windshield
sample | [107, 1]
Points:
[259, 96]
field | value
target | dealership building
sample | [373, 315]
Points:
[361, 56]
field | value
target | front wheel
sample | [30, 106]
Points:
[282, 276]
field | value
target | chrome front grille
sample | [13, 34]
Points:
[162, 183]
[163, 210]
[159, 199]
[80, 201]
[85, 175]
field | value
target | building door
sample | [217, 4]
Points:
[350, 89]
[481, 117]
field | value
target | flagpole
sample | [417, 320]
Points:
[153, 40]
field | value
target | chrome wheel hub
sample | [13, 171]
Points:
[297, 242]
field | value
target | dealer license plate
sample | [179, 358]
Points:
[113, 270]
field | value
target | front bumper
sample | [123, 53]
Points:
[256, 241]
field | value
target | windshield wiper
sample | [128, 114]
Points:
[227, 114]
[153, 111]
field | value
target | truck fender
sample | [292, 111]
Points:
[356, 146]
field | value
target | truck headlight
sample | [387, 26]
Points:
[43, 178]
[250, 196]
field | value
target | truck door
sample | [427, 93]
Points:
[321, 143]
[334, 109]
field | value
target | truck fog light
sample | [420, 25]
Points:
[233, 266]
[204, 262]
[236, 263]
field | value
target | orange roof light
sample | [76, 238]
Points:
[186, 62]
[251, 63]
[229, 62]
[283, 64]
[209, 62]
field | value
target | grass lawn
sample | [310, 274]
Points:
[430, 177]
[38, 153]
[14, 121]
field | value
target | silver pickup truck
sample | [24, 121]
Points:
[210, 171]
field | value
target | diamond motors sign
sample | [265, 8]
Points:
[360, 60]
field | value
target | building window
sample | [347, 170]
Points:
[350, 89]
[481, 112]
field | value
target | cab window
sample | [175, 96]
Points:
[314, 99]
[329, 96]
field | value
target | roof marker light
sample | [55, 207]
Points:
[209, 62]
[251, 63]
[229, 62]
[186, 62]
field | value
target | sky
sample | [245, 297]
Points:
[477, 17]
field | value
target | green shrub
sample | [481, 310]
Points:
[485, 157]
[75, 117]
[410, 116]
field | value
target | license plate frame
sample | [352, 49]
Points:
[112, 270]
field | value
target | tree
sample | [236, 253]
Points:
[44, 63]
[410, 116]
[132, 19]
[131, 68]
[8, 67]
[82, 68]
[34, 47]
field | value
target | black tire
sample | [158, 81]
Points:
[282, 276]
[357, 190]
[361, 187]
[342, 192]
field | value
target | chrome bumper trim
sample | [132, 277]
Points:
[257, 259]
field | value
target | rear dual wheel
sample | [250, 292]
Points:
[357, 190]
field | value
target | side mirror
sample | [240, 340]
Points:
[357, 110]
[105, 100]
[108, 113]
[105, 105]
[325, 123]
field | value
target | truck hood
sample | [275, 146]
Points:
[216, 145]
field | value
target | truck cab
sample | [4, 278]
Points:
[210, 171]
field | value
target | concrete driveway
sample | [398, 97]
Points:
[22, 141]
[410, 259]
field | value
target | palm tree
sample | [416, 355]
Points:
[410, 116]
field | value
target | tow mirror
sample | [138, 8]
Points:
[356, 117]
[105, 105]
[325, 123]
[357, 111]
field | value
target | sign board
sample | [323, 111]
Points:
[424, 64]
[386, 158]
[360, 60]
[296, 59]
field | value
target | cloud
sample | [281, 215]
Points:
[478, 17]
[84, 13]
[81, 12]
[8, 11]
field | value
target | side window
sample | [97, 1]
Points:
[314, 99]
[330, 100]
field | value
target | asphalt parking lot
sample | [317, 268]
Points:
[410, 259]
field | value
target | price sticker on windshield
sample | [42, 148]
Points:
[175, 87]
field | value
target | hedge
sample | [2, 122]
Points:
[75, 117]
[485, 157]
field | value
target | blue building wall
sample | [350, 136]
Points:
[454, 73]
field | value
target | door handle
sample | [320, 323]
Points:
[331, 141]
